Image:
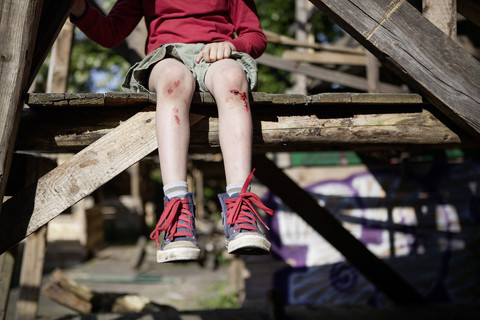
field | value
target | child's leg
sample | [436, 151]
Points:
[226, 80]
[174, 85]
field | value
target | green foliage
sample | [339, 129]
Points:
[94, 68]
[97, 69]
[219, 297]
[279, 16]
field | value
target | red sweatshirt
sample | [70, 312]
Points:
[178, 21]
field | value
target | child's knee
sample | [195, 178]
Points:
[230, 76]
[233, 76]
[173, 80]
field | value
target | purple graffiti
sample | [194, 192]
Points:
[343, 277]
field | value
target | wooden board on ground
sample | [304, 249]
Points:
[420, 53]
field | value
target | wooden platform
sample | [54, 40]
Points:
[70, 122]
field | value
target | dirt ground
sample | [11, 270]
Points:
[186, 286]
[190, 291]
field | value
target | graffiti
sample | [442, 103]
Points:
[422, 216]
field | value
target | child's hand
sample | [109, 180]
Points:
[215, 51]
[78, 8]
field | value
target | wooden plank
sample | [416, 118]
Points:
[281, 39]
[34, 250]
[420, 53]
[320, 57]
[470, 9]
[59, 68]
[86, 171]
[119, 100]
[443, 14]
[373, 73]
[288, 122]
[54, 14]
[316, 72]
[379, 273]
[18, 24]
[6, 271]
[31, 275]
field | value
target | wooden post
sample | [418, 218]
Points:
[443, 14]
[6, 271]
[58, 71]
[31, 275]
[18, 27]
[301, 34]
[417, 51]
[373, 74]
[34, 252]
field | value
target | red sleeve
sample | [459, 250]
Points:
[251, 38]
[109, 31]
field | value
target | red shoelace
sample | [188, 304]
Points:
[240, 210]
[176, 215]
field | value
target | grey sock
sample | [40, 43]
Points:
[177, 189]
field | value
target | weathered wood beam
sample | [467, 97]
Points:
[470, 9]
[32, 263]
[66, 123]
[420, 53]
[316, 72]
[6, 271]
[19, 20]
[324, 57]
[379, 273]
[281, 39]
[86, 171]
[443, 14]
[54, 14]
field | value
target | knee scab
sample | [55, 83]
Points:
[171, 88]
[242, 95]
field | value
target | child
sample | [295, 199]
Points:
[191, 45]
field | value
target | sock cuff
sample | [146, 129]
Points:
[177, 189]
[236, 188]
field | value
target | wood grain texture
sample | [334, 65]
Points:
[86, 171]
[19, 20]
[420, 53]
[61, 123]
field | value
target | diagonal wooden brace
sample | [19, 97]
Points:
[85, 172]
[420, 53]
[378, 272]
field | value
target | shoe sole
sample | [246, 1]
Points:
[178, 254]
[249, 244]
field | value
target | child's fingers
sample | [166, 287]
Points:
[215, 51]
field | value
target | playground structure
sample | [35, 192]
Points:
[444, 112]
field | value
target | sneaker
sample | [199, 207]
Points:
[178, 222]
[242, 235]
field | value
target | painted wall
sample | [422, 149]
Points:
[422, 218]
